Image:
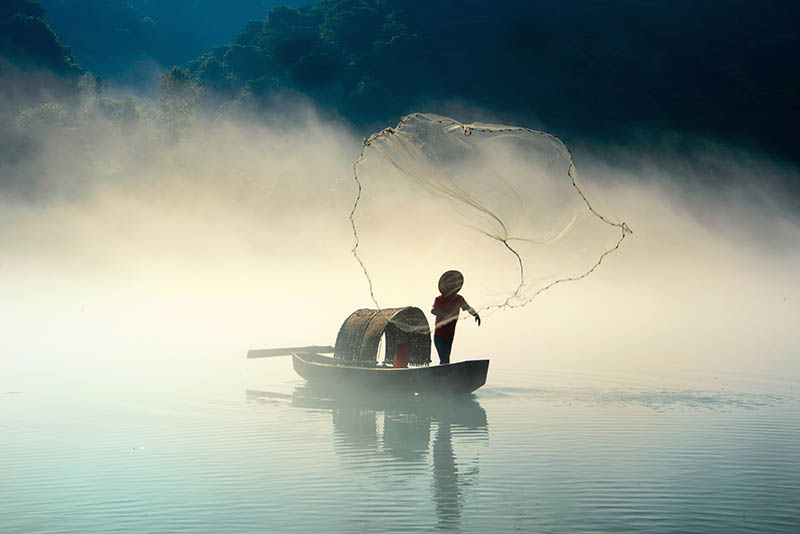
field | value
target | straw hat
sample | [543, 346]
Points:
[451, 282]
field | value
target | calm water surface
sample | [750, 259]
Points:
[270, 454]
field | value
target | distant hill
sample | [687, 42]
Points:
[604, 69]
[34, 67]
[585, 70]
[128, 41]
[27, 40]
[34, 63]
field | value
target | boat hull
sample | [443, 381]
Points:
[454, 378]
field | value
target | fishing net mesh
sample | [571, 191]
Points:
[502, 204]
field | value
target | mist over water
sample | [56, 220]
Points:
[659, 391]
[237, 236]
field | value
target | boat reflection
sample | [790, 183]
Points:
[400, 428]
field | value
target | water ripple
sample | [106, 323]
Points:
[509, 459]
[656, 399]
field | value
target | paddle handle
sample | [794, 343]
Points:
[286, 351]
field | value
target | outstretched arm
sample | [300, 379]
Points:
[469, 309]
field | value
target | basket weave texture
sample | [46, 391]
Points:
[360, 335]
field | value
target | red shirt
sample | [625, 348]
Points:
[449, 305]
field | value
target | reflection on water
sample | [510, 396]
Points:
[288, 458]
[400, 426]
[446, 489]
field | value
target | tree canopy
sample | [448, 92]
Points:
[585, 70]
[27, 40]
[126, 40]
[595, 68]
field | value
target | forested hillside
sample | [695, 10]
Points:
[130, 40]
[604, 71]
[597, 69]
[28, 41]
[34, 67]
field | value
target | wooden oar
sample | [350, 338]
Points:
[286, 351]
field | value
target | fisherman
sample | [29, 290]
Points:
[446, 308]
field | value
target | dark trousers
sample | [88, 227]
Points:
[443, 347]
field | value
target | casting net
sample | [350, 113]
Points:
[502, 204]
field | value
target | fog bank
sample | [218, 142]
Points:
[152, 260]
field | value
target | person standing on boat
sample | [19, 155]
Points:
[446, 308]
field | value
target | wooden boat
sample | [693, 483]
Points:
[453, 378]
[354, 364]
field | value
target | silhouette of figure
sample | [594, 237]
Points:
[446, 308]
